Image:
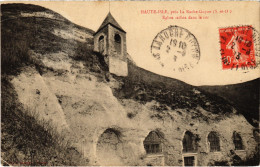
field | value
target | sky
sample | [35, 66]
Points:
[142, 27]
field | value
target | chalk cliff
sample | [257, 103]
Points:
[106, 118]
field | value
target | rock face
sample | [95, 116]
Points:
[101, 126]
[109, 123]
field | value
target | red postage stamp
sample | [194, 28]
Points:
[237, 47]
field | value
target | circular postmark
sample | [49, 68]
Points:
[256, 40]
[176, 49]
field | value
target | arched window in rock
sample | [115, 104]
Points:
[153, 143]
[214, 143]
[237, 141]
[101, 44]
[118, 43]
[188, 142]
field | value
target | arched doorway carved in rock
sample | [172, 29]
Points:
[110, 148]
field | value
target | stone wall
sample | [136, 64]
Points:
[112, 31]
[117, 66]
[117, 60]
[102, 32]
[135, 130]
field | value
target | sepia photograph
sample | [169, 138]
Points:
[130, 83]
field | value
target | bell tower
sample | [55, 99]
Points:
[110, 41]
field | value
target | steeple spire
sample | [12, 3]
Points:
[110, 20]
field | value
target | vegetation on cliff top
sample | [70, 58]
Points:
[145, 86]
[20, 35]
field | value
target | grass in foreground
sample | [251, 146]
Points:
[29, 141]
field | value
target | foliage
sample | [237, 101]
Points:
[14, 50]
[235, 160]
[253, 160]
[22, 34]
[92, 60]
[168, 92]
[27, 140]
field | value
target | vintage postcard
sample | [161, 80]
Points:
[130, 83]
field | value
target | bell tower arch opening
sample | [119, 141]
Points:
[118, 44]
[101, 44]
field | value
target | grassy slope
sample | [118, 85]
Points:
[144, 86]
[23, 133]
[244, 97]
[22, 34]
[148, 86]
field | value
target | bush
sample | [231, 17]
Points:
[14, 52]
[130, 115]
